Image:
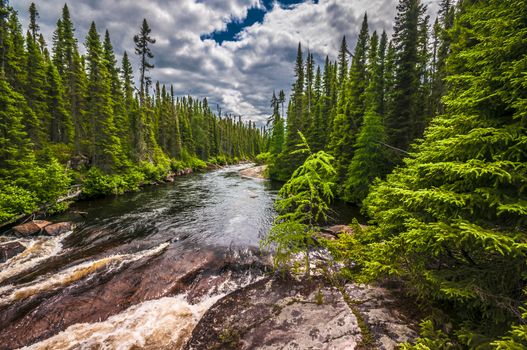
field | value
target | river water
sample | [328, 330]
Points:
[140, 269]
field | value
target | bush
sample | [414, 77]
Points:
[264, 158]
[15, 201]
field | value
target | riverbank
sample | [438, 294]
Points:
[78, 192]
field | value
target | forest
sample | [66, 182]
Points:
[425, 131]
[70, 119]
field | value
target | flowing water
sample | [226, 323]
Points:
[139, 270]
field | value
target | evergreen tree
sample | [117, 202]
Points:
[71, 69]
[452, 221]
[369, 160]
[15, 54]
[343, 65]
[35, 93]
[403, 119]
[60, 126]
[288, 161]
[33, 26]
[103, 146]
[142, 49]
[351, 106]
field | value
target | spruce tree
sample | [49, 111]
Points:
[15, 54]
[403, 120]
[369, 160]
[35, 93]
[60, 126]
[33, 25]
[142, 41]
[288, 161]
[350, 107]
[452, 222]
[104, 146]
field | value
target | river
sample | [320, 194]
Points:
[140, 269]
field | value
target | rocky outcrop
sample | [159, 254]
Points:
[31, 228]
[9, 250]
[58, 228]
[288, 314]
[256, 172]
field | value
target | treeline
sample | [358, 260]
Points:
[67, 117]
[368, 107]
[430, 128]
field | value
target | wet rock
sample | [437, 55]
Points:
[9, 250]
[170, 177]
[111, 289]
[289, 314]
[58, 228]
[257, 172]
[30, 228]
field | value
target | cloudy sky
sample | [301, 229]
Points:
[234, 52]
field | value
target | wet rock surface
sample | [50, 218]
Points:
[58, 228]
[9, 250]
[288, 314]
[256, 172]
[30, 228]
[42, 312]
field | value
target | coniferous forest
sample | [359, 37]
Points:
[72, 119]
[424, 128]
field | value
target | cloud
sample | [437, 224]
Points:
[238, 75]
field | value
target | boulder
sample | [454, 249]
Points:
[289, 314]
[9, 250]
[58, 228]
[30, 228]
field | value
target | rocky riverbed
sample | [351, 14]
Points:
[286, 313]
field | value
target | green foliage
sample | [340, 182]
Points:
[302, 204]
[451, 222]
[14, 201]
[430, 339]
[264, 158]
[516, 339]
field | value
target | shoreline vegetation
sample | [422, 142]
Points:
[77, 193]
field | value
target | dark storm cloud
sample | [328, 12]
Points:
[239, 75]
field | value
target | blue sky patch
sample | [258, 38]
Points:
[254, 15]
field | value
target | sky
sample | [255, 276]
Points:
[234, 52]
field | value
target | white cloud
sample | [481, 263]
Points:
[239, 75]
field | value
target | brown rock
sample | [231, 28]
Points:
[58, 228]
[9, 250]
[30, 228]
